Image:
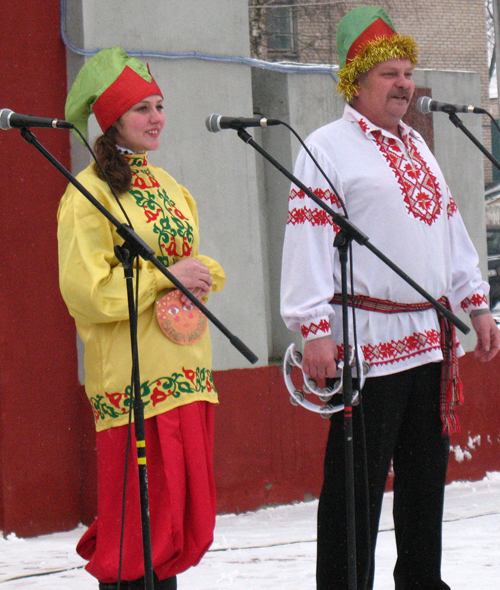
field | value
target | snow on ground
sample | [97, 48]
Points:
[275, 548]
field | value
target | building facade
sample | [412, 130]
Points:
[451, 34]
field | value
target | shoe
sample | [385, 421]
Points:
[168, 584]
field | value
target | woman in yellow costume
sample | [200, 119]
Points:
[174, 343]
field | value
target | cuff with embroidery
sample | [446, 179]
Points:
[316, 328]
[476, 301]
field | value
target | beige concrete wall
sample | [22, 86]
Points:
[219, 170]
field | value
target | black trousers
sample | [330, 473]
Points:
[401, 422]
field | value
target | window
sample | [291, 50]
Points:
[280, 28]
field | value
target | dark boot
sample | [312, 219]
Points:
[168, 584]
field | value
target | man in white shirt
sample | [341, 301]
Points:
[394, 191]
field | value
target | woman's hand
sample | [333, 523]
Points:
[194, 275]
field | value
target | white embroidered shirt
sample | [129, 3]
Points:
[395, 193]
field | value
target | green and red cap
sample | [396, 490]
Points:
[108, 85]
[366, 37]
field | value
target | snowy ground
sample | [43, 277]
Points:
[275, 548]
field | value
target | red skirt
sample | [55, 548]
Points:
[179, 449]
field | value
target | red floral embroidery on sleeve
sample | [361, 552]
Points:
[312, 328]
[314, 216]
[475, 301]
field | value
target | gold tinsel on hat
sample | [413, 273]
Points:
[373, 53]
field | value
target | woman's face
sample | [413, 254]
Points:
[139, 129]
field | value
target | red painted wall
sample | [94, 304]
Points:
[268, 451]
[39, 438]
[476, 448]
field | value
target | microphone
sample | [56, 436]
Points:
[217, 123]
[426, 105]
[11, 120]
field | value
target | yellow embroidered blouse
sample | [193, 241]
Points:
[92, 283]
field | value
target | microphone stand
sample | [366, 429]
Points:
[133, 247]
[458, 123]
[349, 232]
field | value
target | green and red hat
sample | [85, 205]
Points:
[108, 85]
[366, 37]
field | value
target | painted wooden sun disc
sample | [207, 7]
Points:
[183, 323]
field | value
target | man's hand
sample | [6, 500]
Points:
[488, 337]
[318, 360]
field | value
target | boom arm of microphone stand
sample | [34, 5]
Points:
[137, 246]
[352, 232]
[458, 123]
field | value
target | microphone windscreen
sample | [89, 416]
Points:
[4, 119]
[423, 105]
[212, 123]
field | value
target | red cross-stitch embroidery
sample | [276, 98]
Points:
[313, 328]
[475, 301]
[364, 126]
[385, 353]
[326, 195]
[301, 215]
[312, 216]
[420, 188]
[452, 207]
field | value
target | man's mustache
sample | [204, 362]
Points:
[403, 94]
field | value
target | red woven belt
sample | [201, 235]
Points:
[380, 305]
[451, 386]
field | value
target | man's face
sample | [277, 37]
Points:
[385, 92]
